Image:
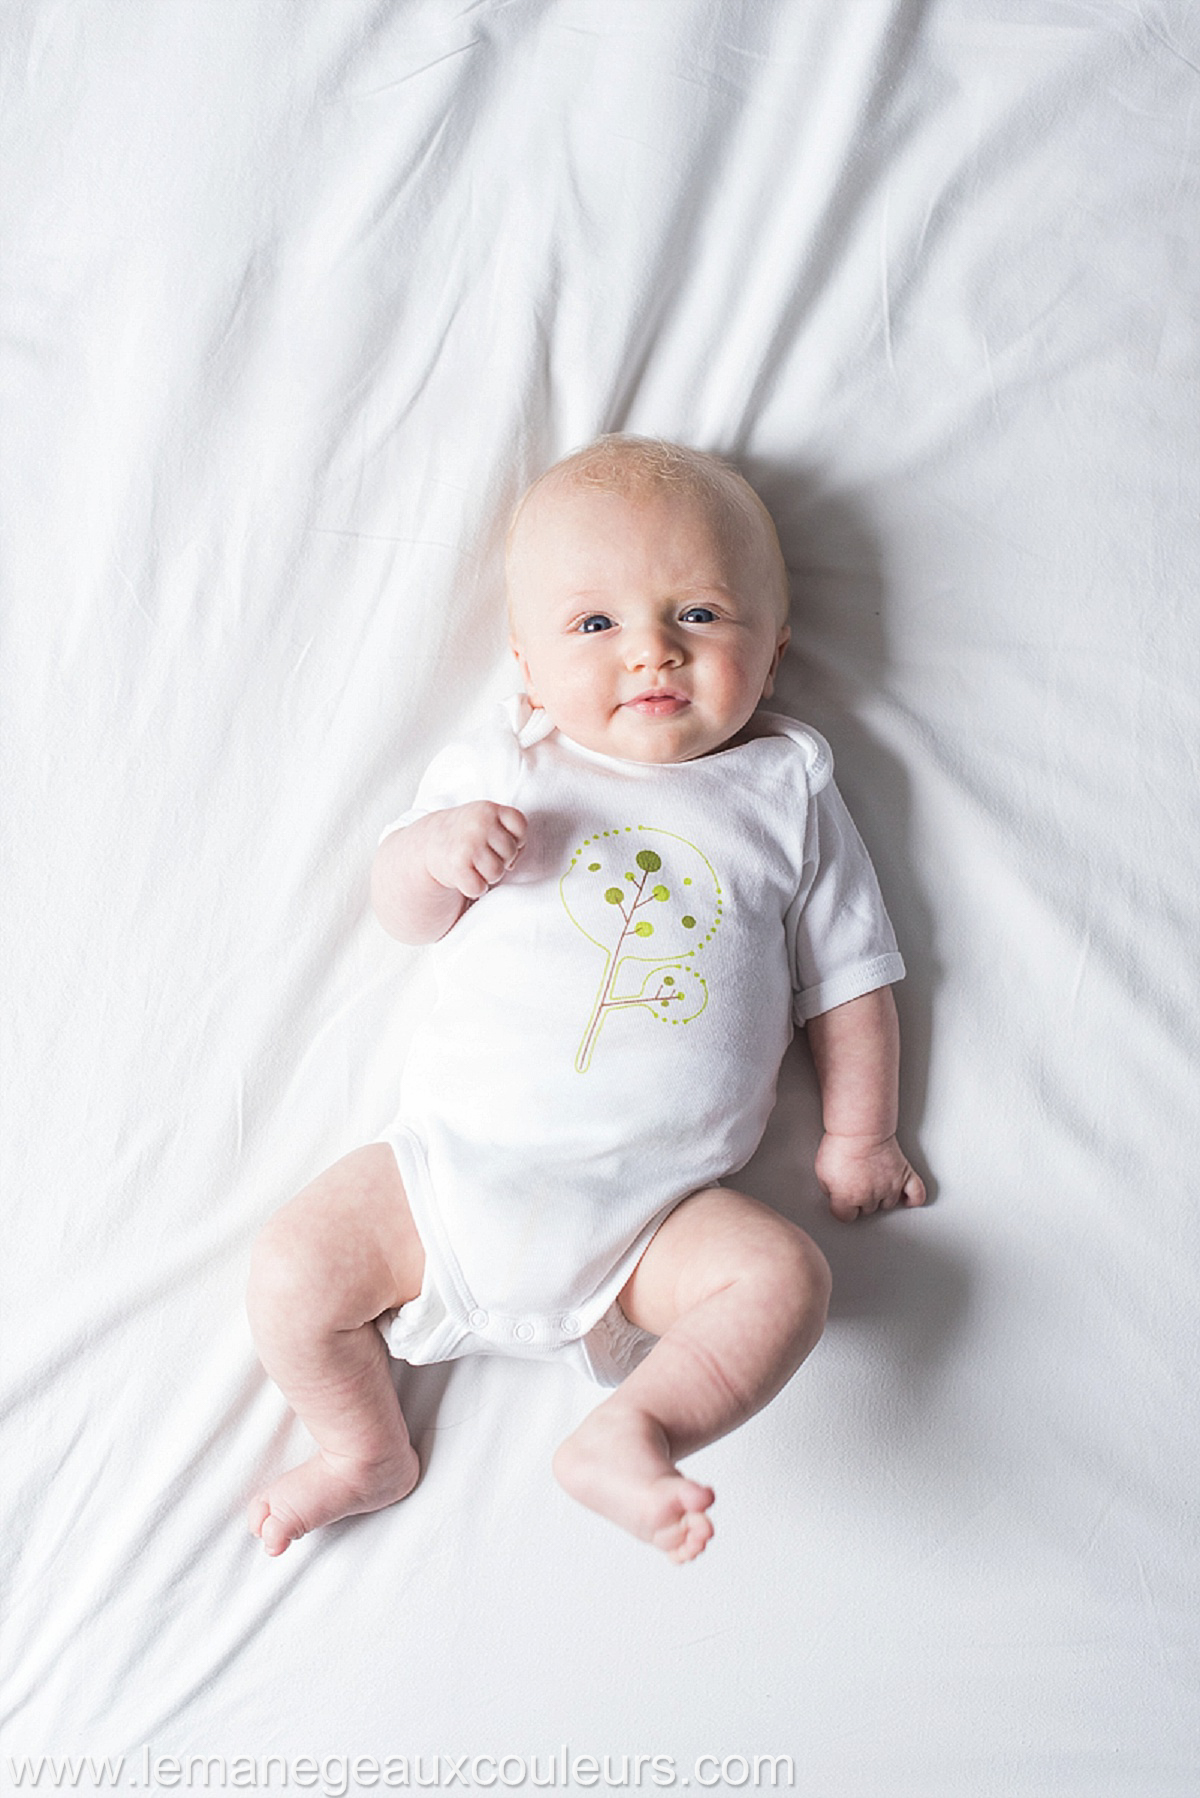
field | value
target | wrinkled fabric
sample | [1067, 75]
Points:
[295, 301]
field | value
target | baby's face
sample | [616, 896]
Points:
[642, 631]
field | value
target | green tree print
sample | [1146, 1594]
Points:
[643, 896]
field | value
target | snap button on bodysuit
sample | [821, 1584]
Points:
[477, 1318]
[524, 1332]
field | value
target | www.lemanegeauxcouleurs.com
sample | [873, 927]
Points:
[339, 1775]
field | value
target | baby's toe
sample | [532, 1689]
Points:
[685, 1529]
[687, 1537]
[275, 1526]
[277, 1534]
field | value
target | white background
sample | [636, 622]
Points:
[296, 297]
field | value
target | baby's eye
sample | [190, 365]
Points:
[595, 621]
[698, 615]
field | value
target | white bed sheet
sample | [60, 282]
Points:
[295, 299]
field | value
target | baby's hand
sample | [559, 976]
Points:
[862, 1175]
[469, 848]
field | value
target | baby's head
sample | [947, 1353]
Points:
[647, 599]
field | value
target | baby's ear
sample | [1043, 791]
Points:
[523, 665]
[781, 643]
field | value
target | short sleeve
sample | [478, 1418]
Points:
[840, 938]
[485, 764]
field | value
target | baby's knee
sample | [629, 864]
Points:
[815, 1273]
[285, 1267]
[790, 1273]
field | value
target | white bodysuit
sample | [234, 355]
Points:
[611, 1018]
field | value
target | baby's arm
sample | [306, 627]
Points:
[425, 875]
[856, 1048]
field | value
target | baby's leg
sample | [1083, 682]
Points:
[737, 1296]
[324, 1267]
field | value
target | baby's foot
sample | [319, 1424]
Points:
[617, 1463]
[326, 1488]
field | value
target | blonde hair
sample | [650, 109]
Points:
[634, 467]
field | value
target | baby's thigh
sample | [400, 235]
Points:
[712, 1240]
[349, 1236]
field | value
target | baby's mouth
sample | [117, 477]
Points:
[658, 702]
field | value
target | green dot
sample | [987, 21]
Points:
[668, 979]
[687, 880]
[593, 867]
[614, 896]
[631, 876]
[688, 923]
[661, 893]
[647, 861]
[643, 929]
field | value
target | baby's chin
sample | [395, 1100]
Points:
[682, 737]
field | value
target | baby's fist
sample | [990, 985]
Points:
[472, 847]
[861, 1176]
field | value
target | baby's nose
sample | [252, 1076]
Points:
[653, 647]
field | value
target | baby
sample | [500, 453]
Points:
[637, 884]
